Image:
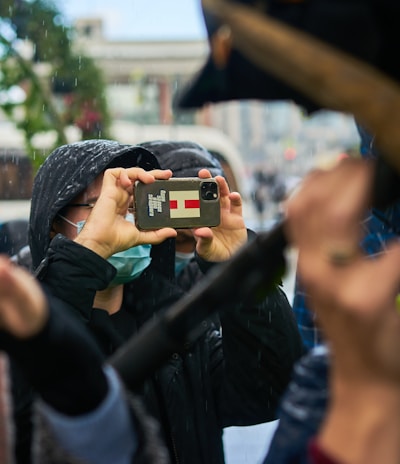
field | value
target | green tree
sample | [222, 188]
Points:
[71, 91]
[83, 95]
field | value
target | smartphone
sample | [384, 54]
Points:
[179, 202]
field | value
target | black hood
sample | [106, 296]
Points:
[184, 158]
[68, 171]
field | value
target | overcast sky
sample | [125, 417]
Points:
[141, 19]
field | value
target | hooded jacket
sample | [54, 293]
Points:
[68, 171]
[185, 158]
[213, 383]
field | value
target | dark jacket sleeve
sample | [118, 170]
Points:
[56, 272]
[260, 344]
[62, 362]
[67, 263]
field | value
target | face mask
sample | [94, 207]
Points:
[129, 263]
[182, 260]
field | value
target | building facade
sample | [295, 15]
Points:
[143, 77]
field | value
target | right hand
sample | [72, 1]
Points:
[221, 242]
[106, 231]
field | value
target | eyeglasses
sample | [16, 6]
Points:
[91, 205]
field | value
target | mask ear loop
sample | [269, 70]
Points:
[67, 220]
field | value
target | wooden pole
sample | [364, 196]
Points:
[333, 79]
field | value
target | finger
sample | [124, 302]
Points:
[204, 233]
[347, 205]
[330, 203]
[27, 287]
[130, 175]
[353, 287]
[163, 174]
[223, 186]
[139, 174]
[204, 239]
[155, 237]
[236, 203]
[204, 174]
[224, 192]
[357, 284]
[120, 176]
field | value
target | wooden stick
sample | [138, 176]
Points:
[326, 75]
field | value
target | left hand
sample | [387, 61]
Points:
[356, 301]
[221, 242]
[23, 306]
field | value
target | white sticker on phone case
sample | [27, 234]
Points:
[155, 202]
[184, 204]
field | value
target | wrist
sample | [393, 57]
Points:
[97, 247]
[362, 422]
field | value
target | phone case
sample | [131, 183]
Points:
[180, 203]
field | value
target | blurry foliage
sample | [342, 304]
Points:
[83, 95]
[41, 22]
[71, 89]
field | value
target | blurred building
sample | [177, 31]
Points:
[143, 77]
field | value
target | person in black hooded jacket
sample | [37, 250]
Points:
[216, 382]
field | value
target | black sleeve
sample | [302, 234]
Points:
[68, 266]
[260, 344]
[62, 362]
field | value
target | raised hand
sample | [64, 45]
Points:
[106, 230]
[220, 243]
[354, 296]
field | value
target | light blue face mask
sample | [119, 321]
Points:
[182, 260]
[129, 263]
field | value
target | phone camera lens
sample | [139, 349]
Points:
[209, 191]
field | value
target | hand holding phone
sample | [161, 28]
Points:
[180, 203]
